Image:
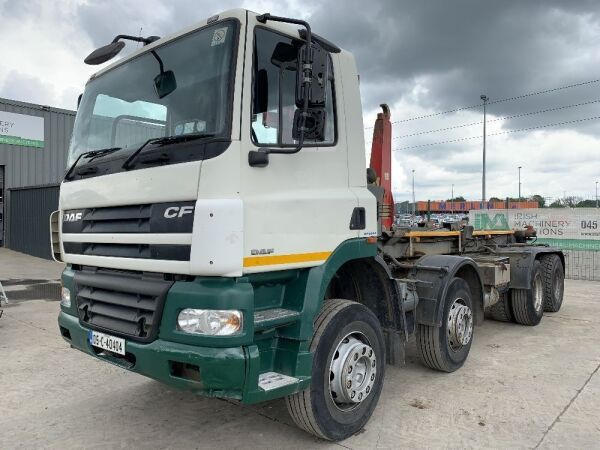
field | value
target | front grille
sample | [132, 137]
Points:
[172, 217]
[168, 252]
[126, 304]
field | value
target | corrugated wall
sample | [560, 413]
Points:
[29, 167]
[28, 218]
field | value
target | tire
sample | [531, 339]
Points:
[437, 347]
[500, 311]
[554, 282]
[337, 326]
[528, 304]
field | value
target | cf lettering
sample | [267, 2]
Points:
[176, 211]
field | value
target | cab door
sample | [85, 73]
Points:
[297, 209]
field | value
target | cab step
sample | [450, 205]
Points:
[273, 380]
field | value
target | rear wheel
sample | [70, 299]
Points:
[553, 275]
[528, 304]
[347, 374]
[446, 347]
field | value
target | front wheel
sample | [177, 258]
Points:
[347, 373]
[446, 347]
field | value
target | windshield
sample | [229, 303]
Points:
[180, 88]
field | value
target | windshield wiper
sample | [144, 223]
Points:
[98, 153]
[92, 154]
[163, 141]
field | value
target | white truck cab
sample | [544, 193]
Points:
[230, 88]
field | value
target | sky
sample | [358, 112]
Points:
[422, 58]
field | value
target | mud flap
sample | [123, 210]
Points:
[395, 353]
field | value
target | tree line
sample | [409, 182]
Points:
[566, 202]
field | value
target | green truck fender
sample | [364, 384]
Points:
[317, 280]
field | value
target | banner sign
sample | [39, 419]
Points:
[21, 129]
[567, 228]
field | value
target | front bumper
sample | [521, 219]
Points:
[213, 366]
[223, 372]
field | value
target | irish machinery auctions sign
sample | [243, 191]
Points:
[567, 228]
[21, 129]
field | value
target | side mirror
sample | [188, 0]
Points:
[165, 83]
[317, 89]
[105, 53]
[314, 124]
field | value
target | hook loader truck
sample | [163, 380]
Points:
[220, 233]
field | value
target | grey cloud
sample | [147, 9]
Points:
[454, 50]
[22, 86]
[19, 10]
[465, 48]
[460, 48]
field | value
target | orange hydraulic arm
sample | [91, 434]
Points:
[381, 163]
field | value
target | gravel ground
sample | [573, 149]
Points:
[520, 388]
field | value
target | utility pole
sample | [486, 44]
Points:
[413, 194]
[596, 194]
[519, 183]
[485, 100]
[452, 199]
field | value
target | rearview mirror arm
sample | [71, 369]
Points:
[143, 40]
[160, 63]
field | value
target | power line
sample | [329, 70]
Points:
[546, 91]
[514, 116]
[451, 141]
[507, 99]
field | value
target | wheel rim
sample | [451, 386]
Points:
[538, 293]
[460, 324]
[352, 371]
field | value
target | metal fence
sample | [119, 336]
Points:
[582, 264]
[574, 230]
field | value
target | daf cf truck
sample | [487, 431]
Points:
[223, 234]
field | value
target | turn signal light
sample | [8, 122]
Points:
[65, 297]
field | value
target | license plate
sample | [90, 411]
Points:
[107, 342]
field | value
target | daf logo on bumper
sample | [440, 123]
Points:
[72, 217]
[174, 212]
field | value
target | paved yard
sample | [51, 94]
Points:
[520, 388]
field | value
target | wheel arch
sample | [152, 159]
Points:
[521, 262]
[435, 272]
[319, 278]
[368, 281]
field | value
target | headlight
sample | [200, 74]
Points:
[65, 297]
[211, 322]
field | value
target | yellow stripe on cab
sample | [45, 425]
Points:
[271, 260]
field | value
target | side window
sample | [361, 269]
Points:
[273, 91]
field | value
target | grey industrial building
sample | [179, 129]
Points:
[34, 141]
